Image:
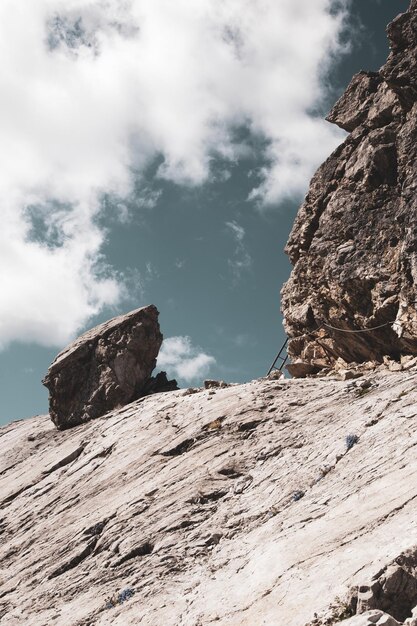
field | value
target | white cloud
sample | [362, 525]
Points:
[243, 340]
[152, 272]
[94, 89]
[237, 230]
[183, 360]
[241, 260]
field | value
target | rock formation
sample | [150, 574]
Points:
[354, 242]
[240, 505]
[277, 502]
[108, 366]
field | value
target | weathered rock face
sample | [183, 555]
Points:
[370, 618]
[245, 505]
[354, 242]
[108, 366]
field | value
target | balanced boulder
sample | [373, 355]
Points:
[108, 366]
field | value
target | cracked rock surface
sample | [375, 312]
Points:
[108, 366]
[245, 505]
[353, 244]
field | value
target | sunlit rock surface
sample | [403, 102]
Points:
[243, 505]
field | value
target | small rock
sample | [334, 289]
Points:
[213, 539]
[368, 597]
[275, 375]
[159, 384]
[371, 617]
[412, 621]
[393, 366]
[408, 362]
[348, 374]
[215, 384]
[191, 390]
[387, 620]
[301, 369]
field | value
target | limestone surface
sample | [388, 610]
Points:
[108, 366]
[370, 618]
[353, 244]
[273, 502]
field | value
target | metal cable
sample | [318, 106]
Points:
[364, 330]
[323, 324]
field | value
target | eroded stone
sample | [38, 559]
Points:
[353, 244]
[107, 367]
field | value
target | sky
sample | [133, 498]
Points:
[157, 152]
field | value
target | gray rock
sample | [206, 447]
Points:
[159, 384]
[187, 499]
[370, 618]
[107, 367]
[300, 369]
[412, 621]
[353, 244]
[215, 384]
[395, 591]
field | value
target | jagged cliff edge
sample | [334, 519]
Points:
[353, 244]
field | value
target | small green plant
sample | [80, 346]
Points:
[344, 613]
[342, 610]
[338, 611]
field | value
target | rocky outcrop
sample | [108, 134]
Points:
[370, 618]
[159, 384]
[108, 366]
[353, 289]
[394, 590]
[240, 505]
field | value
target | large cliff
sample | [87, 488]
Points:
[354, 241]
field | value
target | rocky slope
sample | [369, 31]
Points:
[245, 505]
[353, 245]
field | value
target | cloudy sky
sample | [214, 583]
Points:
[156, 152]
